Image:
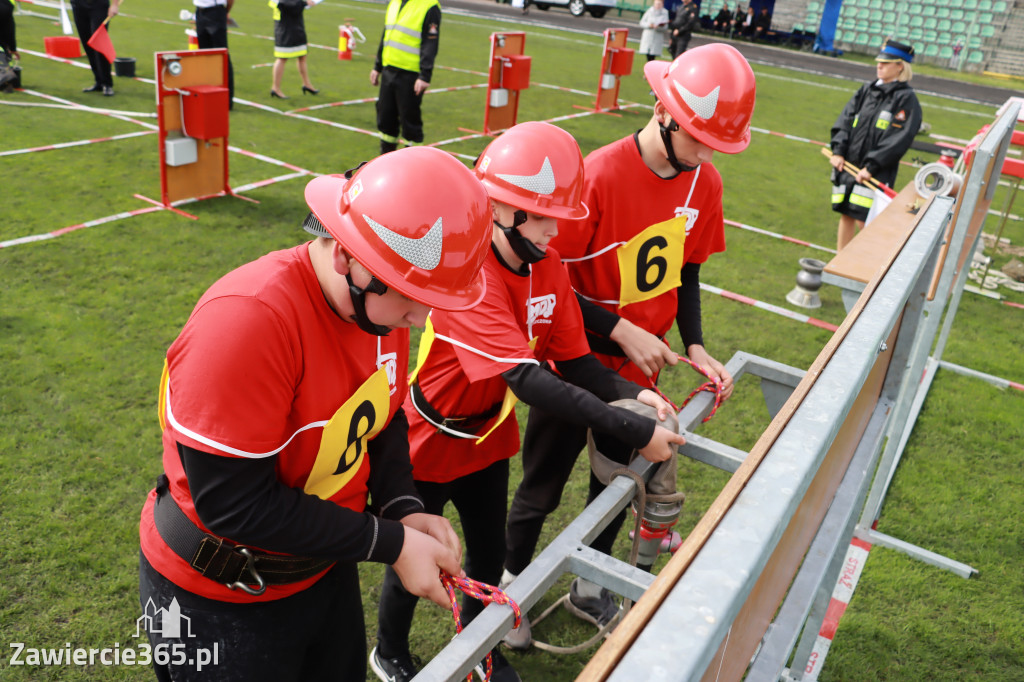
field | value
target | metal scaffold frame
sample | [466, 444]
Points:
[759, 568]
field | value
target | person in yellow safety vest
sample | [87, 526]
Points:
[403, 68]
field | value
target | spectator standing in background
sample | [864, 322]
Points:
[212, 31]
[89, 16]
[403, 68]
[682, 27]
[873, 132]
[654, 23]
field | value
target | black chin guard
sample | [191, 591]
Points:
[358, 295]
[526, 250]
[666, 137]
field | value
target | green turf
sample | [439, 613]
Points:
[86, 318]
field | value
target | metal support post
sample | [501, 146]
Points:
[809, 597]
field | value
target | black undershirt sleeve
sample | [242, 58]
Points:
[541, 388]
[596, 319]
[588, 373]
[688, 317]
[241, 499]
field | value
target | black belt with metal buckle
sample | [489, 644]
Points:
[469, 426]
[236, 566]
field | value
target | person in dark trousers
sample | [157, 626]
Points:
[460, 437]
[873, 132]
[682, 27]
[403, 69]
[762, 24]
[649, 188]
[8, 36]
[89, 16]
[285, 443]
[212, 31]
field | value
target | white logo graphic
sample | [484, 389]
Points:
[424, 252]
[704, 106]
[540, 307]
[170, 621]
[389, 361]
[691, 216]
[543, 182]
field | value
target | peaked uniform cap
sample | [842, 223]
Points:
[710, 92]
[416, 218]
[537, 167]
[895, 52]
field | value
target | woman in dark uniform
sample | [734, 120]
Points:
[873, 132]
[290, 42]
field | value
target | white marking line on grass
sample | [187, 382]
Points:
[79, 107]
[105, 112]
[271, 160]
[368, 100]
[77, 143]
[853, 566]
[140, 211]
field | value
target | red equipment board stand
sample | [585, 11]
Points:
[616, 61]
[508, 74]
[192, 111]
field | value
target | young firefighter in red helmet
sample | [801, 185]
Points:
[460, 438]
[281, 404]
[655, 215]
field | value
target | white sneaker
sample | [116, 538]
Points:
[519, 638]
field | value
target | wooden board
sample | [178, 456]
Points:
[867, 251]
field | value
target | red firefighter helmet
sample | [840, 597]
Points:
[417, 219]
[710, 92]
[537, 167]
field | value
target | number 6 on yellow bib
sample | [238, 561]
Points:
[650, 262]
[343, 443]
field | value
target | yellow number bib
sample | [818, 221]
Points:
[343, 443]
[650, 262]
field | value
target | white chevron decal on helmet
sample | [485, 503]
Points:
[423, 252]
[543, 182]
[704, 106]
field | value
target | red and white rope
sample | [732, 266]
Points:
[487, 594]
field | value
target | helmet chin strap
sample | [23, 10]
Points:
[666, 137]
[524, 249]
[358, 295]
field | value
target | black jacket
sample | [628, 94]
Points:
[685, 19]
[875, 129]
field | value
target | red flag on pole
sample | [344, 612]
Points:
[100, 42]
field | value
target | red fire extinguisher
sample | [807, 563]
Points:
[348, 37]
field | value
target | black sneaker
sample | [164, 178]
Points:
[501, 669]
[597, 610]
[398, 669]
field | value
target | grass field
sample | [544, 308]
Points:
[86, 317]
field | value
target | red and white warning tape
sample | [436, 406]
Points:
[799, 317]
[758, 230]
[856, 555]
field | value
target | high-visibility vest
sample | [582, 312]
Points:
[403, 31]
